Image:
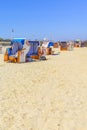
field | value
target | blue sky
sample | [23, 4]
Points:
[37, 19]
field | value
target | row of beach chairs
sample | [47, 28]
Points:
[22, 50]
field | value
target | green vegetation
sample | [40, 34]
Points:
[4, 42]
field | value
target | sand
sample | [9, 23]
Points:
[45, 95]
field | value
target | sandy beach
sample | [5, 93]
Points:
[45, 95]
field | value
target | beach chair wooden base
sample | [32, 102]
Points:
[12, 59]
[55, 45]
[48, 51]
[77, 46]
[34, 56]
[6, 57]
[63, 49]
